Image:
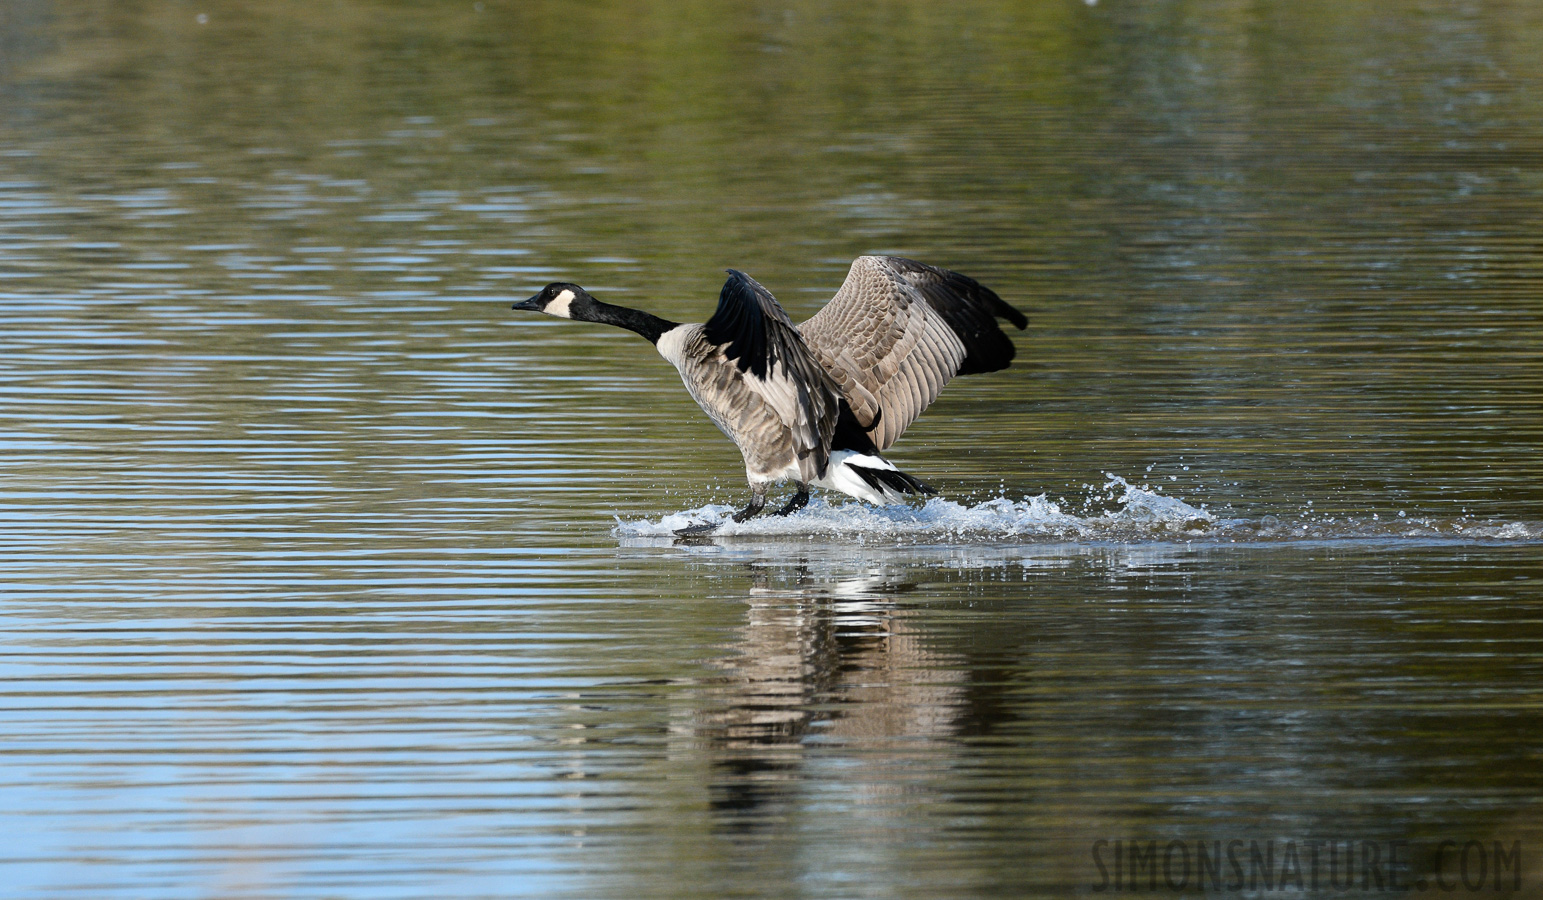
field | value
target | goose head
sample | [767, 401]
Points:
[561, 299]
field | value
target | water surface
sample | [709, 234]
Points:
[324, 574]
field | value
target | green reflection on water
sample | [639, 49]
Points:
[1293, 247]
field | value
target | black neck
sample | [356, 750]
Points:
[648, 325]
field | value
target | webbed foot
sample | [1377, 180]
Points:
[696, 530]
[757, 503]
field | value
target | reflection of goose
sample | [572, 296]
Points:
[808, 668]
[816, 403]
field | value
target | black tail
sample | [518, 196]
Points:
[852, 436]
[895, 480]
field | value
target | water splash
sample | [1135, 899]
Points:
[1135, 514]
[1139, 510]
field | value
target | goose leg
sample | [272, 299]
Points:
[757, 503]
[795, 502]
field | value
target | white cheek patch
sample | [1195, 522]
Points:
[559, 305]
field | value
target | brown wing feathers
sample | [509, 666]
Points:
[898, 330]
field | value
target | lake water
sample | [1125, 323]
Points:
[323, 574]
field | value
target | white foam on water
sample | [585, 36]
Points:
[1139, 511]
[1135, 514]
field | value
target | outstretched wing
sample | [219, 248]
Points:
[898, 330]
[753, 333]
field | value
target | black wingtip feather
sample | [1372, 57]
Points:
[971, 310]
[739, 323]
[987, 347]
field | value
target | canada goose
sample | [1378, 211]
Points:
[818, 402]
